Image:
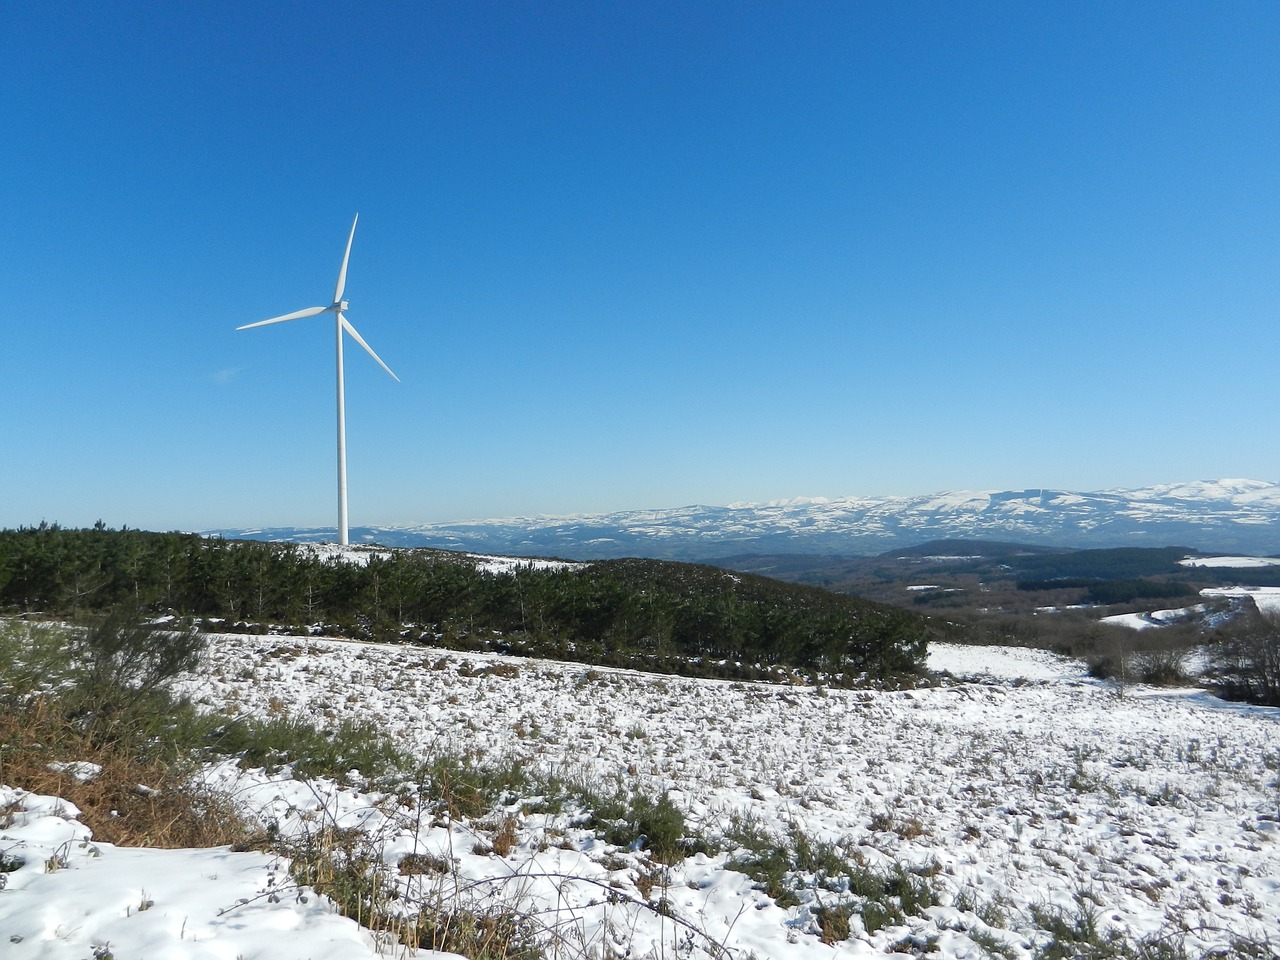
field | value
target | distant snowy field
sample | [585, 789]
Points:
[1004, 663]
[1267, 599]
[359, 556]
[1025, 785]
[1230, 562]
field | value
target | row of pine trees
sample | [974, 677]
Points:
[635, 612]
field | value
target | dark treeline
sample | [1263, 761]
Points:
[1114, 591]
[1245, 576]
[668, 616]
[1116, 563]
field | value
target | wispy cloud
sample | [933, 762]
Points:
[225, 375]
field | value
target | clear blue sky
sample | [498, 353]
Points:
[631, 255]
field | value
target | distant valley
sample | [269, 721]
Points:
[1221, 515]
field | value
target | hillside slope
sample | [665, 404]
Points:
[672, 617]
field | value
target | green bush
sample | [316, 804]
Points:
[661, 824]
[655, 825]
[33, 660]
[312, 751]
[120, 668]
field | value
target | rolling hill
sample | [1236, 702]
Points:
[1222, 515]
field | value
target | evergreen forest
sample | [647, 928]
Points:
[651, 614]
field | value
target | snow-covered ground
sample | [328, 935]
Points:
[1004, 663]
[357, 555]
[1232, 562]
[1154, 618]
[76, 899]
[491, 564]
[1023, 786]
[1267, 599]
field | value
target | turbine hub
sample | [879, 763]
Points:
[343, 305]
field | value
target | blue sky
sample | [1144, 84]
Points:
[631, 255]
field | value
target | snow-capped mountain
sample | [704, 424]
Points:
[1235, 515]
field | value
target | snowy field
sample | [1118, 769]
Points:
[1267, 599]
[1230, 562]
[1024, 786]
[1154, 619]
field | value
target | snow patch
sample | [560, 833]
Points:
[1267, 599]
[1230, 562]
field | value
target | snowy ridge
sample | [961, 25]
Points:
[1227, 515]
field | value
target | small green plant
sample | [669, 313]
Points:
[992, 945]
[313, 751]
[913, 893]
[782, 868]
[33, 660]
[9, 863]
[821, 858]
[764, 858]
[1076, 934]
[993, 913]
[462, 787]
[656, 825]
[770, 867]
[878, 914]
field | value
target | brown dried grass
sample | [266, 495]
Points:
[132, 802]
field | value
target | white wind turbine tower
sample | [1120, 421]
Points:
[337, 308]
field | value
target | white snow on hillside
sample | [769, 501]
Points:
[1225, 489]
[1267, 599]
[76, 899]
[490, 564]
[359, 555]
[354, 554]
[1020, 787]
[1230, 562]
[1153, 618]
[1236, 515]
[1004, 663]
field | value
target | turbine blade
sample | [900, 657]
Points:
[342, 273]
[296, 315]
[368, 349]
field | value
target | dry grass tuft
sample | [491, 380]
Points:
[504, 840]
[833, 923]
[131, 802]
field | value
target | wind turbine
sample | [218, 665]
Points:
[337, 308]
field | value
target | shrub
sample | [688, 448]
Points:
[1246, 658]
[352, 745]
[120, 663]
[461, 787]
[130, 796]
[33, 660]
[656, 825]
[833, 923]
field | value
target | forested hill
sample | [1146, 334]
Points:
[673, 617]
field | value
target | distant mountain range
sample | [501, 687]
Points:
[1219, 515]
